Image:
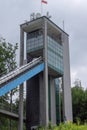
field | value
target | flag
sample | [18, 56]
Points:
[44, 1]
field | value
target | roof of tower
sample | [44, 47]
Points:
[38, 23]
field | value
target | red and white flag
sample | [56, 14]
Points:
[44, 1]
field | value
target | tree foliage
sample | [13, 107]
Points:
[7, 57]
[7, 64]
[79, 103]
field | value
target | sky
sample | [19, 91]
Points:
[72, 12]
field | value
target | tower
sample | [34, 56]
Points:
[46, 39]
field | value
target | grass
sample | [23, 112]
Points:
[66, 126]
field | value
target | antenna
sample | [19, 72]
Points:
[63, 26]
[63, 31]
[32, 16]
[48, 16]
[38, 15]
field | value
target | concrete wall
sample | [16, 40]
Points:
[42, 116]
[66, 80]
[53, 101]
[36, 102]
[32, 102]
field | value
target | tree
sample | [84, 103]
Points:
[7, 64]
[7, 57]
[79, 103]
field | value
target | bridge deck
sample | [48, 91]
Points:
[10, 115]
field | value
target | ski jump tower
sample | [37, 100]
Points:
[44, 38]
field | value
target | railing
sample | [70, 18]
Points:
[7, 107]
[19, 70]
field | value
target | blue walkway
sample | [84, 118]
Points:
[20, 79]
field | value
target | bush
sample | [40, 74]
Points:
[65, 126]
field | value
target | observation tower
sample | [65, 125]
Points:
[45, 39]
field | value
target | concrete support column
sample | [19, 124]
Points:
[32, 103]
[53, 100]
[20, 127]
[42, 101]
[45, 73]
[66, 81]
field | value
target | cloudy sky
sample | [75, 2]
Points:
[74, 14]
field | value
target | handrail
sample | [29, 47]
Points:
[19, 70]
[7, 107]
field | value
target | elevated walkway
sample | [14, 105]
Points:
[10, 115]
[20, 75]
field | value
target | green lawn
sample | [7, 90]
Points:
[66, 126]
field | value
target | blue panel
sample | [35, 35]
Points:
[13, 84]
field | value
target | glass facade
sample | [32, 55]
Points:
[55, 55]
[34, 40]
[55, 49]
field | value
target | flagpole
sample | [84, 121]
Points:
[41, 8]
[45, 2]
